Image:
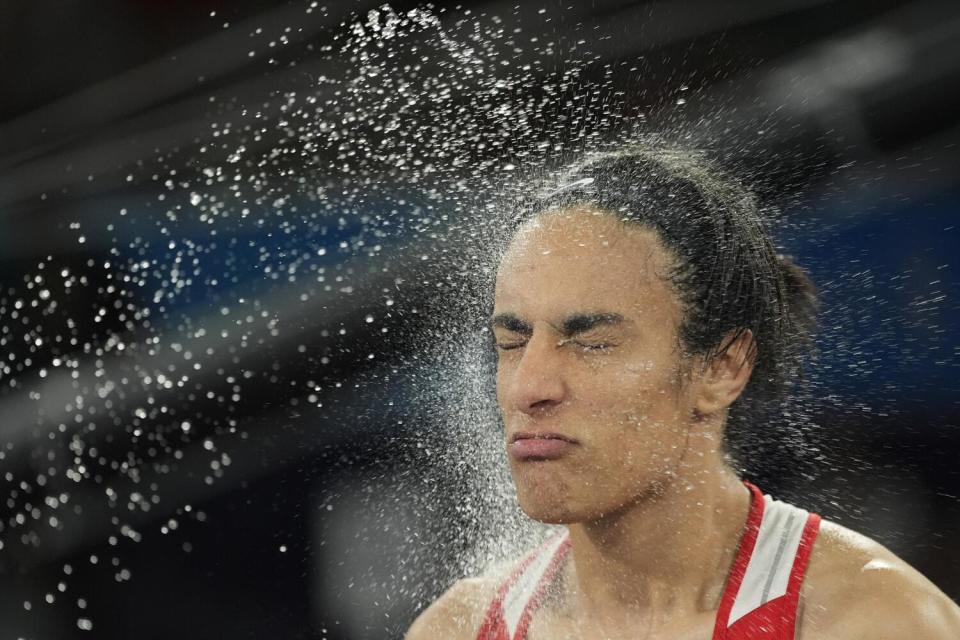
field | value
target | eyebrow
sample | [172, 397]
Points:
[572, 325]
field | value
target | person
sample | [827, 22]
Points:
[640, 310]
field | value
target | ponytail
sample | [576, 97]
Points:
[800, 300]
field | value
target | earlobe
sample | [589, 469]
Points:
[727, 374]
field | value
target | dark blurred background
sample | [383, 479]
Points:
[261, 498]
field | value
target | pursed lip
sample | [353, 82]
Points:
[541, 435]
[528, 446]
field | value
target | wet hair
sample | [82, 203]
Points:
[726, 273]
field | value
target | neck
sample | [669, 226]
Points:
[668, 553]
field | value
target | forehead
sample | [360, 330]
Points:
[583, 260]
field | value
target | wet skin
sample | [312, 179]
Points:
[587, 330]
[612, 430]
[586, 333]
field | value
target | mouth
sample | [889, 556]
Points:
[541, 435]
[527, 446]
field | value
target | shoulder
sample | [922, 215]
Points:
[857, 588]
[458, 613]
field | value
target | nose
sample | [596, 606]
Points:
[535, 383]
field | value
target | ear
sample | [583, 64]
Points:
[727, 374]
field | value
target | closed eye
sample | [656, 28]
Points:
[602, 346]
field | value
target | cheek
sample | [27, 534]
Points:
[629, 389]
[501, 380]
[646, 434]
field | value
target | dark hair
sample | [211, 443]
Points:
[728, 275]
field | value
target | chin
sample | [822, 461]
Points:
[550, 507]
[549, 514]
[556, 504]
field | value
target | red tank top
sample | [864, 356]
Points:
[759, 601]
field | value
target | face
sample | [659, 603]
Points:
[589, 368]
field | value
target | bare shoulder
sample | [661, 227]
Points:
[856, 588]
[458, 613]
